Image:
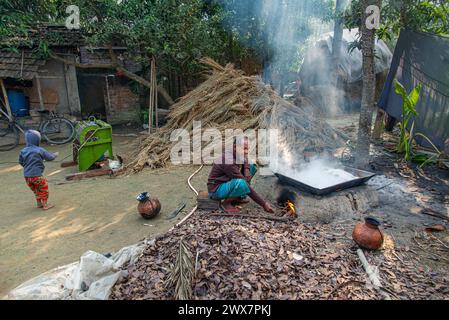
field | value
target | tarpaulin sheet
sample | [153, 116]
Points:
[421, 58]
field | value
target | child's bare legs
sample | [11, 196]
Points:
[39, 203]
[45, 205]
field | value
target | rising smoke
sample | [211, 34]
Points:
[280, 30]
[286, 32]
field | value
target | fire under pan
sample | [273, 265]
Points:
[363, 176]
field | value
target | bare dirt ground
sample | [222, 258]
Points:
[100, 214]
[404, 192]
[94, 214]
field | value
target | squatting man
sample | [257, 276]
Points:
[230, 182]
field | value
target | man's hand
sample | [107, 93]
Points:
[56, 154]
[267, 207]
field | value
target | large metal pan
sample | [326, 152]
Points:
[363, 176]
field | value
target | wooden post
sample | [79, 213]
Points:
[39, 92]
[156, 96]
[150, 112]
[21, 64]
[5, 96]
[108, 94]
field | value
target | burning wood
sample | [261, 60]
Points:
[291, 209]
[287, 200]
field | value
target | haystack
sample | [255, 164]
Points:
[230, 100]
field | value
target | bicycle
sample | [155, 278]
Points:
[54, 129]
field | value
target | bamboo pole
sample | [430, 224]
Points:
[21, 64]
[108, 93]
[156, 97]
[150, 112]
[39, 92]
[5, 96]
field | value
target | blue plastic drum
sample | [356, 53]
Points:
[18, 103]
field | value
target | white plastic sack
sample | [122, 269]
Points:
[47, 286]
[101, 289]
[91, 278]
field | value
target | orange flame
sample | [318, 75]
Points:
[291, 207]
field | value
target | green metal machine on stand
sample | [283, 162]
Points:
[93, 139]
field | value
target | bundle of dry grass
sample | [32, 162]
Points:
[230, 100]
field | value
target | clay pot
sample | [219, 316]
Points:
[367, 234]
[149, 208]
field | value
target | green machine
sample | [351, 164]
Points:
[93, 139]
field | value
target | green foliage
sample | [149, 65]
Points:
[17, 16]
[419, 15]
[407, 137]
[424, 159]
[276, 30]
[176, 32]
[408, 112]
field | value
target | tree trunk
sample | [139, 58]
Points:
[335, 96]
[368, 92]
[337, 39]
[379, 124]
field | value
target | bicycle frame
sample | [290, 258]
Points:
[13, 121]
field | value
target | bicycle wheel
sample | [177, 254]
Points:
[9, 135]
[58, 130]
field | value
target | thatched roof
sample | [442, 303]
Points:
[55, 35]
[19, 65]
[17, 59]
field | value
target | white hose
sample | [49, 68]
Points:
[188, 180]
[196, 192]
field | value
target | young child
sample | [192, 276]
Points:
[32, 160]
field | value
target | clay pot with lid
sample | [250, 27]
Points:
[367, 234]
[148, 207]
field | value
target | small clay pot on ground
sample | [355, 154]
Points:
[367, 234]
[149, 208]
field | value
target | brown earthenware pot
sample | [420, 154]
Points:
[149, 208]
[367, 234]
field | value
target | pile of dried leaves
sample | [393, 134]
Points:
[258, 259]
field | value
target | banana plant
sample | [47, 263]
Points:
[405, 144]
[408, 112]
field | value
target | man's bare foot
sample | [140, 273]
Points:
[47, 206]
[239, 201]
[228, 207]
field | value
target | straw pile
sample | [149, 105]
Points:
[230, 100]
